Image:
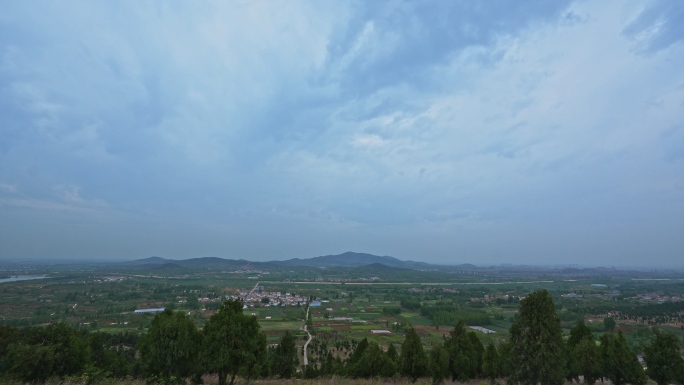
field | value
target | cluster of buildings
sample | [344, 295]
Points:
[490, 298]
[259, 272]
[256, 298]
[658, 298]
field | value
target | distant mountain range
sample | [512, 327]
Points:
[348, 259]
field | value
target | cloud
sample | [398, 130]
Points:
[454, 128]
[658, 26]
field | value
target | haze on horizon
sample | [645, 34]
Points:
[527, 132]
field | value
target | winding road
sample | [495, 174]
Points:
[306, 345]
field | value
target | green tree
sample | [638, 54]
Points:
[465, 353]
[373, 363]
[579, 332]
[665, 364]
[583, 357]
[439, 364]
[358, 352]
[620, 364]
[233, 343]
[169, 349]
[586, 361]
[609, 324]
[392, 353]
[412, 359]
[106, 361]
[537, 342]
[491, 363]
[328, 365]
[31, 363]
[284, 356]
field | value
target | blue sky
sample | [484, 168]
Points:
[450, 132]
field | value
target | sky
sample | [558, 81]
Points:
[524, 132]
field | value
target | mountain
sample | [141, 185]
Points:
[352, 259]
[202, 263]
[150, 261]
[348, 259]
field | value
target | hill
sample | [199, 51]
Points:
[352, 259]
[348, 259]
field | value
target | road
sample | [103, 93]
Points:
[306, 345]
[254, 288]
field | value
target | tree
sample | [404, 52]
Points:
[491, 364]
[392, 353]
[233, 343]
[664, 363]
[609, 323]
[328, 365]
[412, 359]
[465, 353]
[586, 361]
[582, 355]
[32, 364]
[169, 349]
[537, 342]
[283, 364]
[620, 364]
[40, 353]
[579, 332]
[373, 363]
[439, 364]
[358, 352]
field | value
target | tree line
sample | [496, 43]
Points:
[231, 346]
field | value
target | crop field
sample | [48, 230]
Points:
[105, 299]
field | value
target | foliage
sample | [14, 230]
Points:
[391, 310]
[412, 359]
[620, 364]
[664, 363]
[233, 343]
[284, 356]
[609, 323]
[373, 363]
[439, 364]
[169, 349]
[583, 357]
[465, 353]
[491, 363]
[537, 342]
[40, 353]
[445, 314]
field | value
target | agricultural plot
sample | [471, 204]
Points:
[105, 300]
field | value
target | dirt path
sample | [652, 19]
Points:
[254, 288]
[306, 345]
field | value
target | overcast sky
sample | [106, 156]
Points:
[540, 132]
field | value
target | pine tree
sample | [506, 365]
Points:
[620, 364]
[284, 357]
[465, 353]
[664, 363]
[537, 342]
[392, 353]
[439, 364]
[491, 366]
[582, 355]
[233, 343]
[169, 349]
[412, 359]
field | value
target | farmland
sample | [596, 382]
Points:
[347, 304]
